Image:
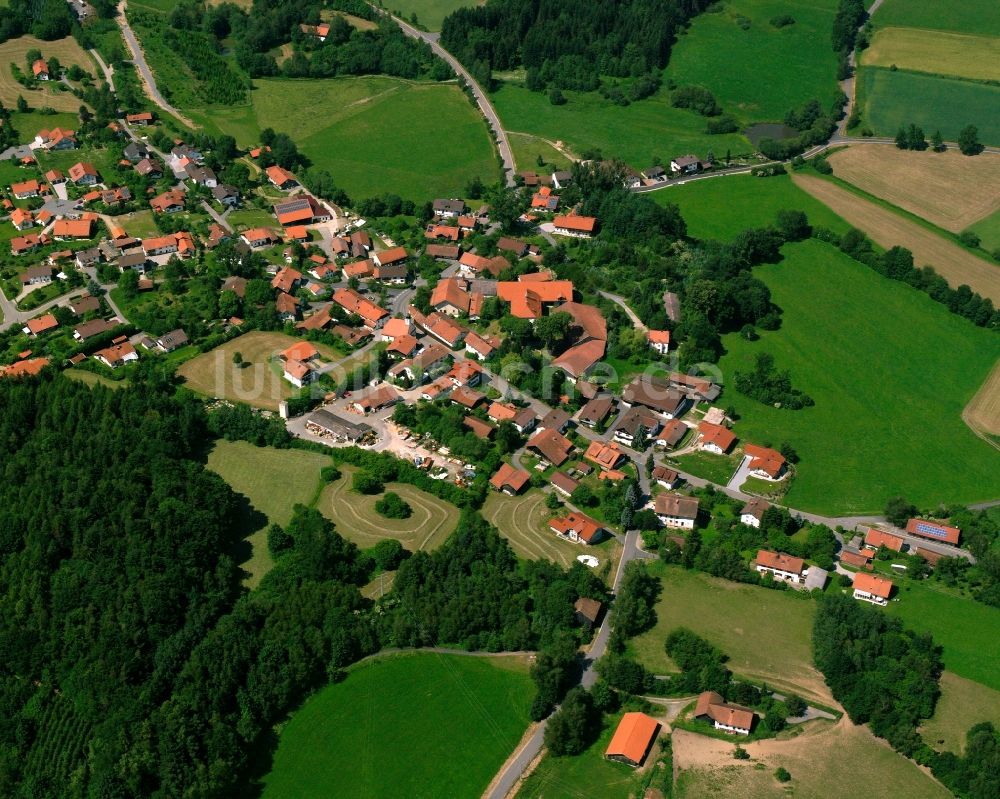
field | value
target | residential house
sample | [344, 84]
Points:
[142, 119]
[375, 399]
[753, 512]
[40, 324]
[55, 177]
[136, 151]
[226, 195]
[528, 298]
[83, 174]
[299, 361]
[765, 463]
[581, 227]
[281, 178]
[40, 69]
[561, 178]
[287, 280]
[237, 285]
[659, 340]
[656, 394]
[557, 419]
[478, 346]
[448, 208]
[563, 483]
[872, 588]
[258, 237]
[301, 210]
[515, 247]
[443, 232]
[859, 559]
[596, 411]
[480, 428]
[551, 446]
[202, 175]
[37, 275]
[56, 139]
[89, 257]
[587, 611]
[136, 261]
[24, 244]
[21, 219]
[877, 538]
[675, 510]
[95, 327]
[73, 229]
[666, 477]
[655, 173]
[442, 328]
[359, 270]
[24, 368]
[450, 297]
[544, 200]
[446, 252]
[171, 341]
[84, 305]
[605, 456]
[723, 716]
[685, 164]
[117, 355]
[672, 434]
[371, 314]
[781, 566]
[287, 306]
[635, 425]
[396, 327]
[633, 739]
[510, 480]
[170, 202]
[25, 189]
[467, 397]
[715, 438]
[578, 528]
[150, 168]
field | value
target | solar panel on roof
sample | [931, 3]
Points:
[931, 530]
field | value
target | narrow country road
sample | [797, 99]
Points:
[482, 100]
[109, 73]
[620, 301]
[216, 215]
[139, 59]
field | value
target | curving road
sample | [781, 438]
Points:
[139, 59]
[482, 100]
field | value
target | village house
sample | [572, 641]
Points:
[595, 411]
[55, 177]
[150, 168]
[666, 477]
[375, 399]
[563, 483]
[781, 566]
[446, 252]
[37, 275]
[578, 528]
[24, 244]
[423, 365]
[226, 195]
[83, 174]
[448, 208]
[56, 139]
[765, 463]
[287, 280]
[170, 202]
[871, 588]
[25, 189]
[171, 341]
[40, 324]
[95, 327]
[529, 298]
[877, 538]
[298, 361]
[633, 739]
[635, 425]
[371, 314]
[544, 200]
[723, 716]
[605, 456]
[450, 297]
[753, 512]
[21, 219]
[551, 446]
[587, 611]
[467, 397]
[84, 305]
[672, 434]
[659, 340]
[281, 178]
[685, 164]
[142, 119]
[89, 257]
[581, 227]
[301, 210]
[135, 151]
[442, 328]
[656, 394]
[715, 438]
[117, 355]
[478, 346]
[287, 306]
[859, 559]
[72, 229]
[479, 428]
[259, 237]
[675, 510]
[510, 480]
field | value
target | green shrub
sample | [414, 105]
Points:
[393, 506]
[366, 483]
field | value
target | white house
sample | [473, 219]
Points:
[674, 510]
[781, 566]
[753, 512]
[871, 588]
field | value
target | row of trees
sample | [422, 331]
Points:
[771, 386]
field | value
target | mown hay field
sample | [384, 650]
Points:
[949, 189]
[938, 52]
[66, 50]
[983, 412]
[524, 521]
[969, 16]
[962, 704]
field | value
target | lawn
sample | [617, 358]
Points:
[420, 725]
[139, 224]
[585, 775]
[880, 427]
[988, 229]
[890, 99]
[957, 54]
[971, 16]
[430, 13]
[720, 208]
[965, 189]
[965, 628]
[709, 466]
[66, 50]
[766, 634]
[432, 521]
[962, 704]
[260, 384]
[273, 481]
[94, 379]
[244, 218]
[29, 123]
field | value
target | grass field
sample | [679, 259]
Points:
[30, 122]
[957, 54]
[988, 230]
[972, 16]
[888, 228]
[260, 384]
[839, 761]
[765, 633]
[962, 704]
[717, 468]
[983, 412]
[722, 207]
[585, 775]
[890, 99]
[965, 628]
[94, 379]
[66, 50]
[881, 427]
[420, 725]
[430, 13]
[965, 191]
[139, 224]
[273, 481]
[527, 148]
[433, 520]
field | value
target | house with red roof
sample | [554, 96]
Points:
[633, 739]
[510, 480]
[877, 538]
[371, 314]
[765, 463]
[715, 438]
[934, 531]
[281, 178]
[84, 174]
[581, 227]
[578, 528]
[872, 588]
[781, 566]
[724, 716]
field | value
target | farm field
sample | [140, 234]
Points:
[988, 230]
[737, 618]
[983, 412]
[433, 520]
[430, 13]
[876, 414]
[746, 202]
[890, 99]
[817, 759]
[965, 628]
[260, 384]
[524, 521]
[66, 50]
[564, 777]
[273, 481]
[965, 190]
[973, 16]
[887, 229]
[957, 54]
[962, 704]
[427, 725]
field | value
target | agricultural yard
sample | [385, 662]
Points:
[840, 761]
[427, 725]
[433, 520]
[524, 522]
[748, 202]
[565, 777]
[935, 52]
[430, 13]
[962, 704]
[66, 50]
[965, 190]
[273, 482]
[260, 384]
[982, 414]
[890, 99]
[737, 618]
[966, 629]
[971, 16]
[880, 427]
[888, 228]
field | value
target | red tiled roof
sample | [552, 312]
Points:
[877, 538]
[716, 434]
[633, 737]
[581, 224]
[873, 584]
[508, 476]
[779, 561]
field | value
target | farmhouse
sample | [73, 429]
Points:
[447, 252]
[281, 178]
[551, 446]
[715, 438]
[39, 69]
[515, 247]
[324, 423]
[685, 164]
[117, 355]
[141, 119]
[578, 528]
[510, 480]
[298, 360]
[765, 463]
[753, 512]
[259, 237]
[73, 228]
[544, 200]
[478, 346]
[450, 297]
[780, 566]
[934, 531]
[375, 399]
[633, 739]
[674, 510]
[442, 328]
[729, 718]
[876, 538]
[861, 559]
[596, 411]
[870, 588]
[303, 210]
[528, 298]
[581, 227]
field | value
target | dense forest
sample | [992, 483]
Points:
[566, 44]
[45, 19]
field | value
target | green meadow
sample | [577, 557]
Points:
[988, 229]
[971, 16]
[890, 371]
[890, 99]
[427, 725]
[430, 13]
[719, 208]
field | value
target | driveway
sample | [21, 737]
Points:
[741, 474]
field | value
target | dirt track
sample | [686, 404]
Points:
[888, 229]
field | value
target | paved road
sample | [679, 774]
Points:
[620, 301]
[482, 100]
[139, 59]
[221, 219]
[109, 73]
